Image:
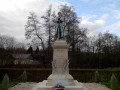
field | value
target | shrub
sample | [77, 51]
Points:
[97, 77]
[114, 82]
[24, 76]
[5, 82]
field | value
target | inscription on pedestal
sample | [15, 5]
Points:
[60, 55]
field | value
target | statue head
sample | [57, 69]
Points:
[59, 14]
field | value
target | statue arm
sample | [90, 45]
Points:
[56, 20]
[62, 19]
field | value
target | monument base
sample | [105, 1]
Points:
[60, 71]
[67, 77]
[43, 86]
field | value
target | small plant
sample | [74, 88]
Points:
[97, 77]
[5, 82]
[114, 82]
[24, 76]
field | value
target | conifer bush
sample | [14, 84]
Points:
[5, 82]
[114, 82]
[97, 77]
[24, 76]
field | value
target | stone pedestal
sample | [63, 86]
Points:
[60, 55]
[42, 86]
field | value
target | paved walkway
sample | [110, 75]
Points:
[30, 85]
[95, 86]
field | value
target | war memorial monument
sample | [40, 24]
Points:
[60, 77]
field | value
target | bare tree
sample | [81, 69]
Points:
[33, 30]
[73, 33]
[106, 43]
[19, 45]
[49, 24]
[2, 41]
[7, 42]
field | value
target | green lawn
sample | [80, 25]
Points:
[106, 84]
[109, 85]
[11, 83]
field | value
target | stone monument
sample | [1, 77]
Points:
[60, 56]
[60, 65]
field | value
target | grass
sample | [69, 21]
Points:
[11, 84]
[113, 68]
[109, 85]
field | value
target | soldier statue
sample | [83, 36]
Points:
[60, 32]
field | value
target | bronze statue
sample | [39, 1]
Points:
[60, 32]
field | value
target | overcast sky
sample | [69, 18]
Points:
[97, 15]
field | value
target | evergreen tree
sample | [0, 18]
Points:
[5, 82]
[30, 50]
[37, 50]
[97, 77]
[114, 82]
[24, 76]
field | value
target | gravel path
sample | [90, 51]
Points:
[30, 85]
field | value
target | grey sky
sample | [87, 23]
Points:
[14, 13]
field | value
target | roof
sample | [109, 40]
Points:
[21, 56]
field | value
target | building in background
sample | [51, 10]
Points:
[24, 59]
